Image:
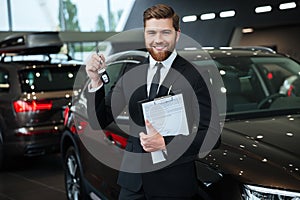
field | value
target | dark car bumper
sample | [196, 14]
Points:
[34, 141]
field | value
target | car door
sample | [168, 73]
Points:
[101, 150]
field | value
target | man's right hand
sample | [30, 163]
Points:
[93, 64]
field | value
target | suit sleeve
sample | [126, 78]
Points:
[99, 108]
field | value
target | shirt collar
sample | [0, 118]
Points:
[167, 63]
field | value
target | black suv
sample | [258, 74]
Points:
[258, 157]
[36, 84]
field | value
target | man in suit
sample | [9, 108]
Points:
[176, 177]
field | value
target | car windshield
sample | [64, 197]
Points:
[49, 79]
[259, 82]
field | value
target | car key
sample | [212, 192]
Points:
[102, 72]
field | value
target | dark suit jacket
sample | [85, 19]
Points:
[178, 177]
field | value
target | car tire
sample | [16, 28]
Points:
[73, 175]
[1, 156]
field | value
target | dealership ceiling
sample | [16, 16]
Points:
[272, 23]
[214, 22]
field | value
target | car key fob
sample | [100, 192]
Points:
[104, 77]
[103, 74]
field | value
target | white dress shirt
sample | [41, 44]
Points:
[163, 72]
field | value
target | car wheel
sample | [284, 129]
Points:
[73, 178]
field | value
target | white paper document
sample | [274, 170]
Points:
[167, 115]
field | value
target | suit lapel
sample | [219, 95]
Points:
[175, 71]
[146, 63]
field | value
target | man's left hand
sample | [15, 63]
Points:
[153, 140]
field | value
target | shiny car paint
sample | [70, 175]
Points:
[259, 146]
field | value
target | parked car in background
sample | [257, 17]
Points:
[36, 84]
[258, 157]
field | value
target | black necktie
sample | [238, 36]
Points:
[155, 81]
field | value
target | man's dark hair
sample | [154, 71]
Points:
[162, 11]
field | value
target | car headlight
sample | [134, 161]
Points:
[261, 193]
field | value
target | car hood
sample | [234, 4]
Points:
[262, 151]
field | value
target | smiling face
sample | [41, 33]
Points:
[160, 37]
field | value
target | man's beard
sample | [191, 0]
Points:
[159, 56]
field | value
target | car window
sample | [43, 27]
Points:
[259, 83]
[48, 79]
[276, 70]
[113, 71]
[4, 83]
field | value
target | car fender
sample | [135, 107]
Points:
[68, 139]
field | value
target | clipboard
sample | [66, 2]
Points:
[168, 116]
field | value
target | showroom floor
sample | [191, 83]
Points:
[33, 179]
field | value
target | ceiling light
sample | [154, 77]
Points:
[289, 5]
[190, 48]
[225, 47]
[228, 13]
[263, 9]
[189, 18]
[210, 48]
[247, 30]
[207, 16]
[289, 134]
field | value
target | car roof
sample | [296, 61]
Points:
[200, 54]
[34, 50]
[222, 52]
[31, 43]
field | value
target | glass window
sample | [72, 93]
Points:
[113, 71]
[64, 15]
[49, 79]
[80, 50]
[43, 15]
[3, 16]
[103, 15]
[259, 83]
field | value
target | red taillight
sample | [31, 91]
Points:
[32, 106]
[66, 115]
[270, 76]
[79, 128]
[290, 91]
[119, 140]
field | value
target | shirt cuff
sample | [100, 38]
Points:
[90, 89]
